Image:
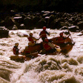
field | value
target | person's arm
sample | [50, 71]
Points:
[47, 33]
[40, 34]
[35, 39]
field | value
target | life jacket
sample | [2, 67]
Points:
[46, 46]
[31, 39]
[43, 33]
[60, 40]
[15, 50]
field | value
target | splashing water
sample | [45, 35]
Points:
[43, 69]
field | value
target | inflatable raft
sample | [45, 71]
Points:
[66, 44]
[31, 52]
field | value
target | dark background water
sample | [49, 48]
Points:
[38, 5]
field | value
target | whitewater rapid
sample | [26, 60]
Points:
[44, 69]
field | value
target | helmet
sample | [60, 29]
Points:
[16, 44]
[44, 28]
[61, 34]
[30, 34]
[46, 40]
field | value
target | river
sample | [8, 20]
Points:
[44, 69]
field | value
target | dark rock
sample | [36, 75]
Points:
[73, 28]
[57, 23]
[41, 23]
[4, 32]
[2, 23]
[18, 19]
[9, 23]
[51, 21]
[28, 22]
[63, 28]
[35, 20]
[64, 24]
[80, 24]
[47, 19]
[14, 27]
[22, 26]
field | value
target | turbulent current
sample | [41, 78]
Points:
[43, 69]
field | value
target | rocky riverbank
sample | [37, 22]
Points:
[50, 19]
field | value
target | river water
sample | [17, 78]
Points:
[44, 69]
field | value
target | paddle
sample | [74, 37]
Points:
[71, 37]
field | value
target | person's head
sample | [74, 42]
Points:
[61, 34]
[44, 28]
[16, 44]
[46, 40]
[31, 34]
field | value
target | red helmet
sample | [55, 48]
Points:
[61, 34]
[46, 40]
[30, 34]
[16, 44]
[44, 28]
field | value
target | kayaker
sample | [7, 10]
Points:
[15, 49]
[43, 34]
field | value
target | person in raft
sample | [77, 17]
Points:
[49, 47]
[43, 34]
[15, 49]
[32, 40]
[61, 38]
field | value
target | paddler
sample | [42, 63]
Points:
[15, 49]
[43, 34]
[32, 40]
[49, 47]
